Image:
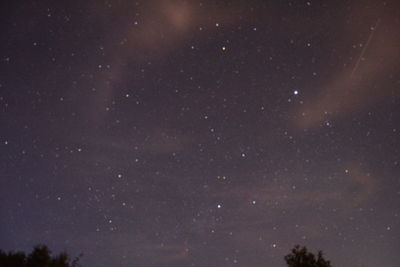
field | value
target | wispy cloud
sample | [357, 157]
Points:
[355, 87]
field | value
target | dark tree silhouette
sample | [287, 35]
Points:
[11, 259]
[300, 257]
[39, 257]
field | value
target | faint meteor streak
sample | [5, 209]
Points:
[365, 47]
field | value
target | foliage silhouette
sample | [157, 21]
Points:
[39, 257]
[300, 257]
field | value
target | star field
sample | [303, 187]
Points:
[201, 133]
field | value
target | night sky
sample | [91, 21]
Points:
[201, 133]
